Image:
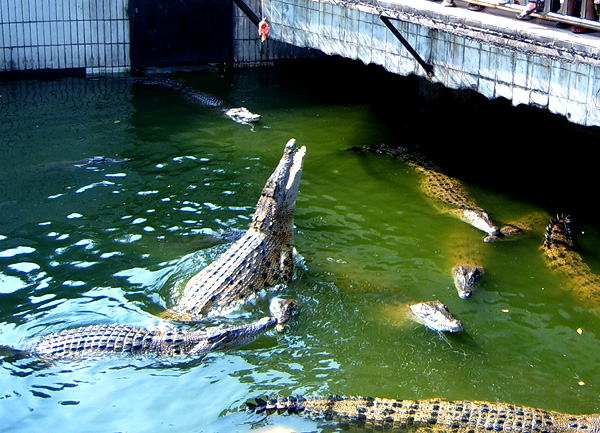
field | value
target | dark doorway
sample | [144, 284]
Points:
[180, 32]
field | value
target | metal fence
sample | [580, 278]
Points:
[64, 34]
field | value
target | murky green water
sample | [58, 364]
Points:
[112, 243]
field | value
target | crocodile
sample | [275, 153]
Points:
[468, 258]
[262, 257]
[91, 162]
[237, 114]
[97, 160]
[466, 277]
[435, 316]
[560, 255]
[434, 415]
[449, 194]
[123, 339]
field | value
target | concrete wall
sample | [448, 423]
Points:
[463, 56]
[248, 50]
[64, 34]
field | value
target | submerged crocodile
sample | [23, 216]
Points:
[435, 316]
[434, 415]
[450, 195]
[237, 114]
[468, 259]
[560, 255]
[466, 276]
[123, 339]
[94, 161]
[262, 257]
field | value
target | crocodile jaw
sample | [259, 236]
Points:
[278, 197]
[481, 220]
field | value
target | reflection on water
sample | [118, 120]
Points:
[88, 244]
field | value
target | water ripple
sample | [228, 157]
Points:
[11, 252]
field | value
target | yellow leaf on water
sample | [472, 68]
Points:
[116, 122]
[505, 310]
[581, 383]
[579, 331]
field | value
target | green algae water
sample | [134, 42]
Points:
[84, 244]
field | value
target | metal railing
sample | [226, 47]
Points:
[509, 5]
[547, 13]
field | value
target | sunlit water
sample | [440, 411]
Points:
[83, 245]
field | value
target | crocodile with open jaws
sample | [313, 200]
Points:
[237, 114]
[262, 257]
[95, 340]
[434, 415]
[560, 255]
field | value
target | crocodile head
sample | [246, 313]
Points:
[465, 278]
[242, 115]
[481, 220]
[509, 231]
[227, 337]
[277, 202]
[282, 309]
[435, 316]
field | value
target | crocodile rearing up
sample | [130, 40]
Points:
[435, 415]
[260, 258]
[558, 250]
[447, 192]
[120, 339]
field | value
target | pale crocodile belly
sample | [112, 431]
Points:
[250, 265]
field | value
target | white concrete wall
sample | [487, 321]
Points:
[64, 34]
[463, 57]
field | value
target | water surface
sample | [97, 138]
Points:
[83, 245]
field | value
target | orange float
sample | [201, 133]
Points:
[264, 29]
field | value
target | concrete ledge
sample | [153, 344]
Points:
[490, 52]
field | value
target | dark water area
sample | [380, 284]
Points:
[84, 244]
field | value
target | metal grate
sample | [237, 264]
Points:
[64, 34]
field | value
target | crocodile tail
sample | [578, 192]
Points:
[8, 352]
[276, 404]
[559, 232]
